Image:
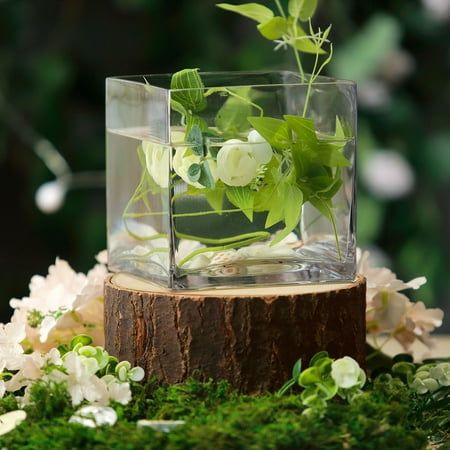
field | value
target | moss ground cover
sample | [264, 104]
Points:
[387, 415]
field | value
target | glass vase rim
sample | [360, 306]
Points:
[320, 81]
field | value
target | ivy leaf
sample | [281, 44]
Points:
[206, 178]
[253, 11]
[191, 93]
[276, 210]
[304, 128]
[329, 155]
[292, 202]
[243, 198]
[215, 198]
[274, 131]
[273, 28]
[178, 107]
[194, 172]
[194, 138]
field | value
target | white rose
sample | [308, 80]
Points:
[346, 373]
[157, 161]
[183, 159]
[236, 164]
[262, 151]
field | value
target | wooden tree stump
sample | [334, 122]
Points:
[250, 336]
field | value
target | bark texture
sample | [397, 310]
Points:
[250, 340]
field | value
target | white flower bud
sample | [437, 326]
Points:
[346, 373]
[157, 161]
[262, 151]
[236, 164]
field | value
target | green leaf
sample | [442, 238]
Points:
[297, 369]
[242, 198]
[317, 357]
[276, 211]
[206, 179]
[339, 133]
[274, 131]
[232, 116]
[330, 155]
[309, 377]
[293, 201]
[305, 44]
[195, 139]
[273, 28]
[194, 172]
[194, 120]
[215, 198]
[178, 107]
[82, 339]
[328, 388]
[304, 128]
[308, 9]
[302, 9]
[253, 11]
[191, 93]
[294, 7]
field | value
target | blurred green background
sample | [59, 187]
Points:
[55, 55]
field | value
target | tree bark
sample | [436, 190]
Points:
[250, 336]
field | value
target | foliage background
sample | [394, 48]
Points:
[55, 55]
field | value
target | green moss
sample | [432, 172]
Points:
[384, 417]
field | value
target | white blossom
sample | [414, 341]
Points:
[389, 311]
[236, 164]
[346, 373]
[93, 416]
[157, 159]
[387, 174]
[261, 149]
[11, 350]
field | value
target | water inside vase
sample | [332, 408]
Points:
[169, 229]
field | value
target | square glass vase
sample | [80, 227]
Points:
[246, 179]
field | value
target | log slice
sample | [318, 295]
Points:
[250, 336]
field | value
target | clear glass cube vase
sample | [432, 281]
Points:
[246, 178]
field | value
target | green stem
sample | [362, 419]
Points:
[310, 82]
[280, 9]
[336, 237]
[299, 64]
[223, 247]
[259, 235]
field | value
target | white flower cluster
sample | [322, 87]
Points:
[238, 162]
[89, 373]
[431, 377]
[61, 305]
[389, 311]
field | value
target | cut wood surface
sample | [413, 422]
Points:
[250, 336]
